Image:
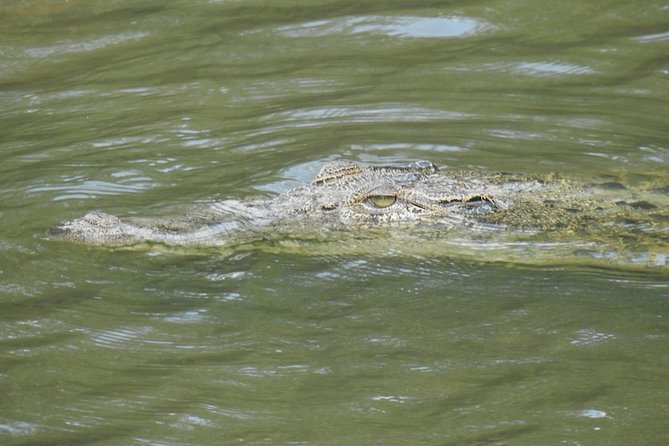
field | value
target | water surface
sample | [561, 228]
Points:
[146, 108]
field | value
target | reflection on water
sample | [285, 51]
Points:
[549, 68]
[140, 108]
[380, 113]
[89, 45]
[395, 26]
[430, 148]
[85, 189]
[659, 37]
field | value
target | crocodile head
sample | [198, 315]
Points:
[353, 194]
[343, 195]
[98, 228]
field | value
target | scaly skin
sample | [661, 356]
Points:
[413, 198]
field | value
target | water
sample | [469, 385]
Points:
[145, 108]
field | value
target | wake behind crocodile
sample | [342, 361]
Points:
[416, 210]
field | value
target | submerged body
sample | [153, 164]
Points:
[414, 199]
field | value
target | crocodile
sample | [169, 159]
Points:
[408, 204]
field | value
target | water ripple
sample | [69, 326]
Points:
[588, 337]
[120, 337]
[84, 46]
[18, 428]
[658, 37]
[551, 68]
[409, 146]
[399, 26]
[93, 188]
[311, 117]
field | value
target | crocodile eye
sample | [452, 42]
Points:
[382, 201]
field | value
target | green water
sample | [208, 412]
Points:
[146, 107]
